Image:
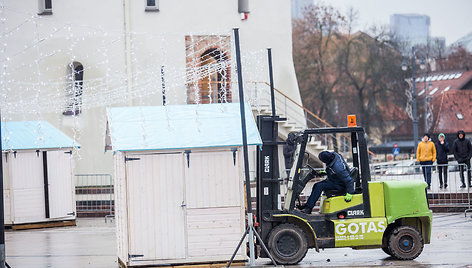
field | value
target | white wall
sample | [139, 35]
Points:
[6, 192]
[198, 205]
[24, 187]
[93, 33]
[71, 33]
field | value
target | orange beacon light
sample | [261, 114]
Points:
[351, 120]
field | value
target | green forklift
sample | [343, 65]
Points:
[391, 215]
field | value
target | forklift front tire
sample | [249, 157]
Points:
[288, 244]
[405, 243]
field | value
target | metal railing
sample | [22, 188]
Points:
[259, 96]
[453, 197]
[94, 195]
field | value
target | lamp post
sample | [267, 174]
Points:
[426, 127]
[413, 81]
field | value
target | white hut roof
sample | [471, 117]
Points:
[178, 127]
[23, 135]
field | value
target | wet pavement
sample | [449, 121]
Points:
[451, 246]
[92, 244]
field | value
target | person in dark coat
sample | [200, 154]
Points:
[338, 178]
[442, 148]
[289, 149]
[462, 150]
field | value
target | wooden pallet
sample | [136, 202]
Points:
[40, 225]
[188, 265]
[211, 265]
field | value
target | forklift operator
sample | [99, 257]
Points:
[338, 179]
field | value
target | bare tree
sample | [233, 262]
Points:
[458, 58]
[432, 52]
[342, 73]
[315, 51]
[371, 66]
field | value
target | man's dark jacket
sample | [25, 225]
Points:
[338, 173]
[289, 149]
[462, 148]
[441, 152]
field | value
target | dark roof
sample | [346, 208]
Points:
[441, 82]
[454, 112]
[451, 94]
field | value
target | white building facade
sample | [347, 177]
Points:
[66, 61]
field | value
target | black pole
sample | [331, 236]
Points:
[271, 79]
[2, 208]
[243, 120]
[355, 159]
[275, 131]
[250, 224]
[413, 80]
[163, 83]
[425, 106]
[46, 184]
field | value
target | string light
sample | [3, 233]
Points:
[34, 76]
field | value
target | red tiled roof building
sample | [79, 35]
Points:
[449, 94]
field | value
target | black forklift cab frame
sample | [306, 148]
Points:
[359, 149]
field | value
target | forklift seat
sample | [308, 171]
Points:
[353, 173]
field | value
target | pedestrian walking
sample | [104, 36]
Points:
[426, 155]
[442, 148]
[462, 150]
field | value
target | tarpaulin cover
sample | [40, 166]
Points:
[22, 135]
[178, 127]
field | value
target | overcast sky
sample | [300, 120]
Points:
[451, 19]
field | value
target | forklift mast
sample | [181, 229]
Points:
[267, 177]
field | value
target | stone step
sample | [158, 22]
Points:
[451, 202]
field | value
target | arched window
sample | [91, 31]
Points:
[74, 89]
[214, 84]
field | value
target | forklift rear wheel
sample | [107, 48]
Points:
[405, 243]
[288, 244]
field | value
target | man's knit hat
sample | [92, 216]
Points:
[326, 157]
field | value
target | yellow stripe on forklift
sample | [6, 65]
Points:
[303, 220]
